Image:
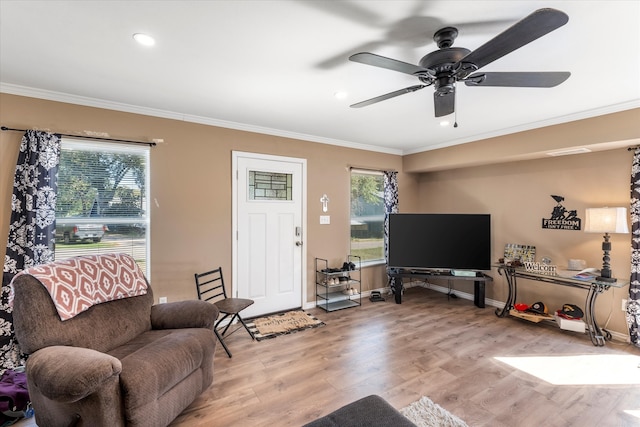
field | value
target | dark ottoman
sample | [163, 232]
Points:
[370, 411]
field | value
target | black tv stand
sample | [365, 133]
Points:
[478, 281]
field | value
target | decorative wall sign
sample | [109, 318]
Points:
[325, 202]
[561, 218]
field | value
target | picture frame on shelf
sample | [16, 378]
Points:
[517, 252]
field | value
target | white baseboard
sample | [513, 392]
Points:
[460, 294]
[620, 337]
[365, 294]
[387, 292]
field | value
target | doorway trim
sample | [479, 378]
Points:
[234, 216]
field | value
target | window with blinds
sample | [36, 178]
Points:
[102, 203]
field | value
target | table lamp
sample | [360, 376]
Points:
[606, 220]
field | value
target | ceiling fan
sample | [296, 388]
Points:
[448, 65]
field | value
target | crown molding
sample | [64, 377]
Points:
[587, 114]
[136, 109]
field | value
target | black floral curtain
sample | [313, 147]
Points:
[633, 306]
[32, 224]
[390, 206]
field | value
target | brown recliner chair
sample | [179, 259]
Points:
[124, 362]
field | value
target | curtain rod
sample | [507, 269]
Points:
[372, 170]
[150, 144]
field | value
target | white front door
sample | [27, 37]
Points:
[268, 253]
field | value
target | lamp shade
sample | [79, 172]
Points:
[606, 220]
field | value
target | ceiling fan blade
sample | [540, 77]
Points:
[532, 27]
[348, 10]
[387, 96]
[338, 59]
[518, 79]
[444, 104]
[388, 63]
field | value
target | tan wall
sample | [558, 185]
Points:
[191, 182]
[517, 195]
[598, 133]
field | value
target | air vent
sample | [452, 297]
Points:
[568, 152]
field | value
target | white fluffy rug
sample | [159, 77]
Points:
[425, 413]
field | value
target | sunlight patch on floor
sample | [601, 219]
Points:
[631, 412]
[581, 369]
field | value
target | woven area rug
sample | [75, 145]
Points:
[264, 328]
[425, 413]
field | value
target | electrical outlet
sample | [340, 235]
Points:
[162, 300]
[624, 305]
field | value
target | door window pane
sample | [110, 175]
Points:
[269, 186]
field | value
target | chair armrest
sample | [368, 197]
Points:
[183, 314]
[67, 374]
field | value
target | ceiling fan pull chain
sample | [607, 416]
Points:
[455, 111]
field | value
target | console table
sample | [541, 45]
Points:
[478, 281]
[593, 288]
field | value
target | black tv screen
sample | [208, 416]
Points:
[440, 241]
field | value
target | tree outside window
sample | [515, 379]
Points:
[367, 215]
[102, 200]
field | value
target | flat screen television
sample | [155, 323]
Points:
[440, 241]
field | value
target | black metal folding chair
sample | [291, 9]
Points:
[210, 286]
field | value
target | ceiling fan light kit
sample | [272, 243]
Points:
[449, 65]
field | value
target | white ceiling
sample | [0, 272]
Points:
[274, 66]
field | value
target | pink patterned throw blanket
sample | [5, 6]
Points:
[77, 284]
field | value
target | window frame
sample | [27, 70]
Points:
[380, 174]
[75, 144]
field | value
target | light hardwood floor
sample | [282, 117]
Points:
[429, 345]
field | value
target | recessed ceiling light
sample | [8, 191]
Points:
[144, 39]
[340, 94]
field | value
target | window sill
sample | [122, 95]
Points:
[374, 263]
